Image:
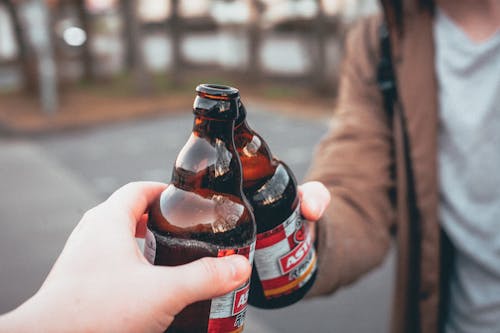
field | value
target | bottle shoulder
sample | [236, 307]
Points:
[250, 143]
[257, 161]
[187, 213]
[273, 188]
[275, 200]
[199, 153]
[208, 164]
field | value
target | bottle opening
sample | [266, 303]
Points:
[217, 91]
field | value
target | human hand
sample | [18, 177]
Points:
[101, 282]
[314, 198]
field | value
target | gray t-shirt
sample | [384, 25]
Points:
[469, 170]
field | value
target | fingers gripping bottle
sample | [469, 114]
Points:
[203, 212]
[285, 258]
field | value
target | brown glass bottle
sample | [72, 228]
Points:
[203, 212]
[285, 258]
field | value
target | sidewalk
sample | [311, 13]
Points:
[40, 203]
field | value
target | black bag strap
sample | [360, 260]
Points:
[386, 81]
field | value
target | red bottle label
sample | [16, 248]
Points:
[227, 312]
[285, 257]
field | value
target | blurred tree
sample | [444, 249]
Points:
[176, 40]
[257, 7]
[318, 72]
[39, 29]
[134, 58]
[84, 18]
[27, 67]
[127, 10]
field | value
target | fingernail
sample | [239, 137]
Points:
[314, 208]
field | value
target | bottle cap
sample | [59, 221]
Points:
[216, 101]
[217, 91]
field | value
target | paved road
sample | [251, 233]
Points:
[83, 167]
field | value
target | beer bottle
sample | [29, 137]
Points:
[285, 259]
[203, 212]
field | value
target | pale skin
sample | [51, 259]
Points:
[101, 281]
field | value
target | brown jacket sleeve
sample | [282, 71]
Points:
[354, 162]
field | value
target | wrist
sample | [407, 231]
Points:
[20, 320]
[39, 313]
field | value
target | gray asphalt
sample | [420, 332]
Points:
[49, 181]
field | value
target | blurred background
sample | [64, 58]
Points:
[95, 94]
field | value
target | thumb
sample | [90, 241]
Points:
[315, 197]
[206, 278]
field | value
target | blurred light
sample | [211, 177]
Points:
[96, 6]
[333, 7]
[194, 8]
[153, 11]
[350, 10]
[280, 10]
[230, 12]
[8, 46]
[74, 36]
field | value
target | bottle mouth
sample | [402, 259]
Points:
[217, 91]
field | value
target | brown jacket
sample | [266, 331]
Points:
[356, 160]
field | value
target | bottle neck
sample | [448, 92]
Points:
[241, 127]
[256, 158]
[211, 129]
[242, 115]
[209, 162]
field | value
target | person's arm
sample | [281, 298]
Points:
[354, 162]
[101, 282]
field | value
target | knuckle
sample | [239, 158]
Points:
[89, 218]
[92, 213]
[123, 190]
[131, 186]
